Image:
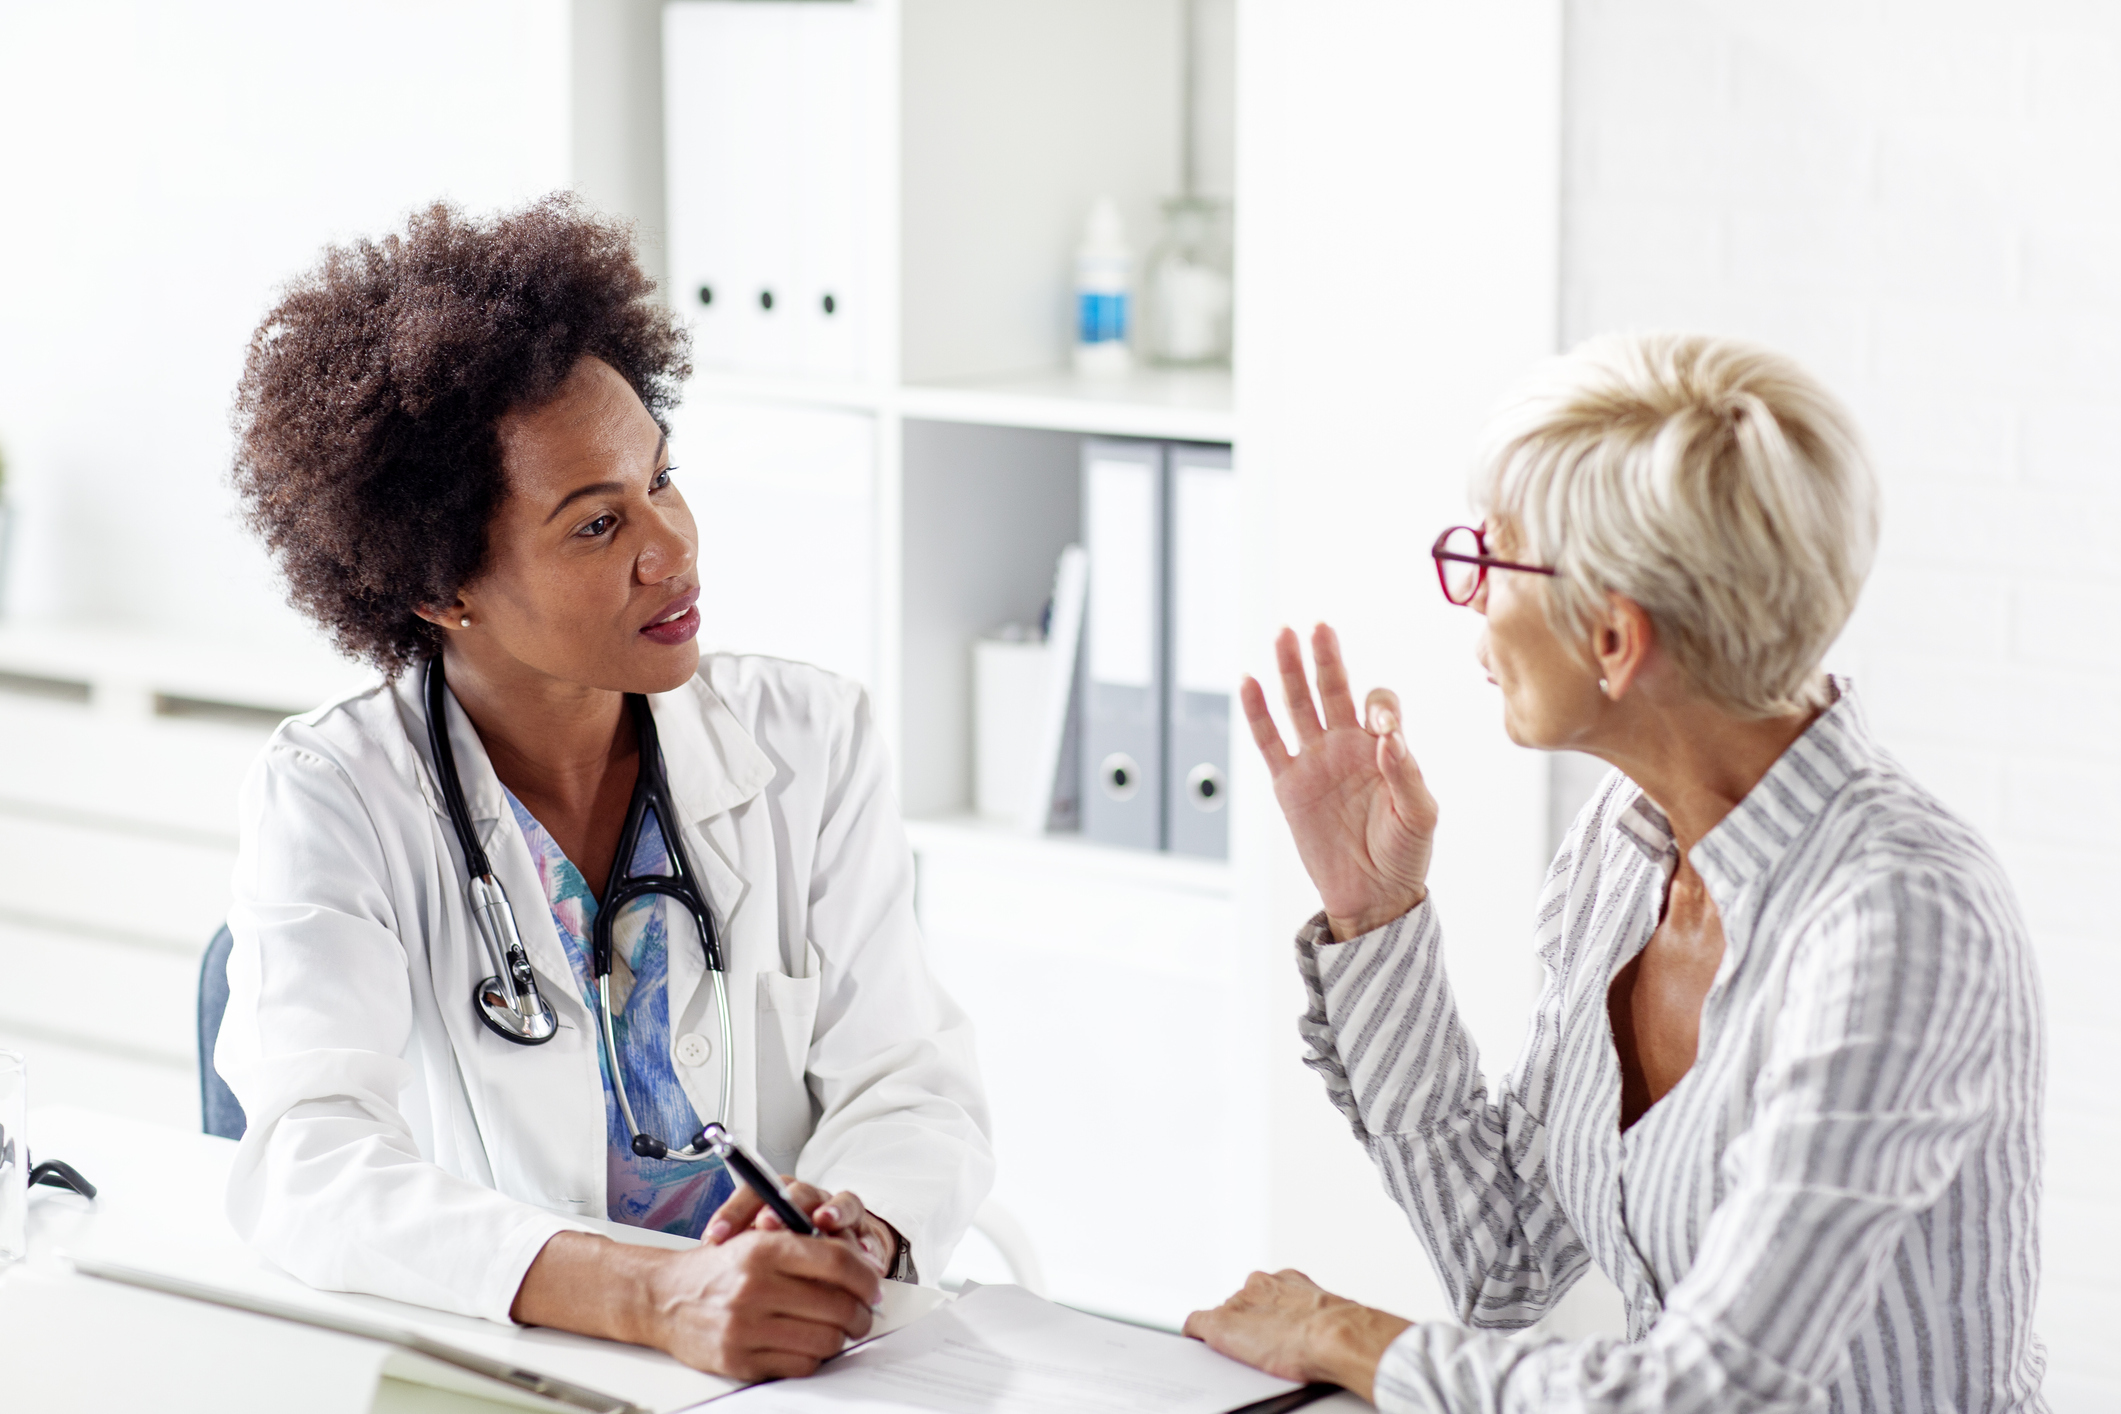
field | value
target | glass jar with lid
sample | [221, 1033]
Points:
[1186, 286]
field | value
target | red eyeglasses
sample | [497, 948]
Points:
[1463, 562]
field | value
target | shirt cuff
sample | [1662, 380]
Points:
[1317, 931]
[496, 1301]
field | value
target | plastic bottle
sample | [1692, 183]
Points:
[1104, 303]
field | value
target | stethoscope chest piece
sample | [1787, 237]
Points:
[509, 1001]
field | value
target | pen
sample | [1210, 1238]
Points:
[718, 1143]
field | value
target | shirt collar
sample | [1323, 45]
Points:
[1775, 813]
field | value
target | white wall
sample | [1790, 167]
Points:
[1383, 307]
[165, 167]
[1922, 201]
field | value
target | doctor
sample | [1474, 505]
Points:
[452, 441]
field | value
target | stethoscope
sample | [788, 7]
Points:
[509, 1002]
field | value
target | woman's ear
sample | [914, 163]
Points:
[456, 615]
[1624, 640]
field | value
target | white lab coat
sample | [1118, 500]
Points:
[397, 1146]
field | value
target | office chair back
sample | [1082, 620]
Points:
[218, 1111]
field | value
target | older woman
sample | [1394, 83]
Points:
[515, 927]
[1783, 1080]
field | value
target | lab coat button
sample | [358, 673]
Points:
[692, 1049]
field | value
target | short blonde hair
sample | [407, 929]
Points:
[1713, 482]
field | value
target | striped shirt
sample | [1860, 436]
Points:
[1836, 1208]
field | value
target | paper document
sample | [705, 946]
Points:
[1001, 1350]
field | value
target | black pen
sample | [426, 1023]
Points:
[716, 1140]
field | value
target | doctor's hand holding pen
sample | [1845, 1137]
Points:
[1363, 819]
[842, 1216]
[758, 1303]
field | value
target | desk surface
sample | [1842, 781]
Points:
[161, 1190]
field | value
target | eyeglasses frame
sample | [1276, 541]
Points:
[1483, 561]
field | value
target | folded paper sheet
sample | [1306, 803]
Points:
[1001, 1350]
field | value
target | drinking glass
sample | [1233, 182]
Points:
[14, 1158]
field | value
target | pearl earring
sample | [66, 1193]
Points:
[466, 623]
[1601, 682]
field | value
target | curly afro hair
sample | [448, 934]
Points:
[366, 454]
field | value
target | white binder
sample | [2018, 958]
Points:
[1123, 717]
[767, 181]
[829, 297]
[1205, 657]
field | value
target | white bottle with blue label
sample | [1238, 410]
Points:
[1104, 299]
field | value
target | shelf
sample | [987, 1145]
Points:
[1183, 405]
[843, 394]
[981, 842]
[140, 670]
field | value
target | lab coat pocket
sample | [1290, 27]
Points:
[787, 1012]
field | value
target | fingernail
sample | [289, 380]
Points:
[1383, 721]
[717, 1230]
[829, 1215]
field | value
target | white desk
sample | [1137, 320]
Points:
[95, 1346]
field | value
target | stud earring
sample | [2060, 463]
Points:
[466, 623]
[1601, 682]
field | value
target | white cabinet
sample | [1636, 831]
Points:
[124, 754]
[1121, 1066]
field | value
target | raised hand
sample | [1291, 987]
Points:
[1364, 821]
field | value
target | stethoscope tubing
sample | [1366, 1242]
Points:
[651, 791]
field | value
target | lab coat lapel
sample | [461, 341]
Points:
[714, 768]
[540, 1108]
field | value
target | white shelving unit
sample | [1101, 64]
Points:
[1397, 229]
[1179, 405]
[989, 127]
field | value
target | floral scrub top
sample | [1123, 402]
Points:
[652, 1193]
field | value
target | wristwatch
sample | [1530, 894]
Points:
[901, 1268]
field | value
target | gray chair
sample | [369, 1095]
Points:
[218, 1111]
